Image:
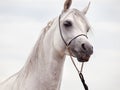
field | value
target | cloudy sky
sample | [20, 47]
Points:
[22, 20]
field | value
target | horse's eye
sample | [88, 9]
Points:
[67, 23]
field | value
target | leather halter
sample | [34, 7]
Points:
[67, 44]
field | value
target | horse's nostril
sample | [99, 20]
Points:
[87, 48]
[83, 46]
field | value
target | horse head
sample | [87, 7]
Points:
[73, 26]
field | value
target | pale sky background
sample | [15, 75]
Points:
[22, 20]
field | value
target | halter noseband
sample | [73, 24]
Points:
[67, 44]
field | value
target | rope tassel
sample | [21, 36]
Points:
[83, 81]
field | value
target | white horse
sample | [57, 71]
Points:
[43, 69]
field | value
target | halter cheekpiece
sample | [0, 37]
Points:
[67, 44]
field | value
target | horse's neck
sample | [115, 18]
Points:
[44, 66]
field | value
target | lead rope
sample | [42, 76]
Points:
[79, 72]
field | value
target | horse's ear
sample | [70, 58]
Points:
[84, 11]
[67, 5]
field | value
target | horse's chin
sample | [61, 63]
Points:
[84, 58]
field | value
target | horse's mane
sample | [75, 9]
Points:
[47, 27]
[37, 47]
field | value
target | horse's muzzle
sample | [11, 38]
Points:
[81, 56]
